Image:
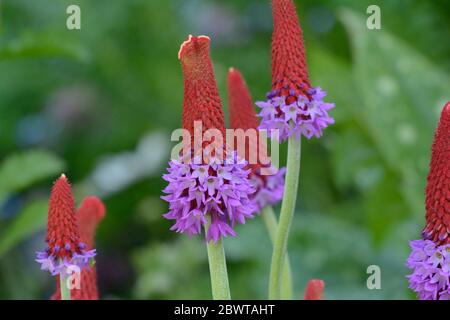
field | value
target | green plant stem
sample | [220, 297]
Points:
[217, 269]
[271, 223]
[65, 291]
[286, 215]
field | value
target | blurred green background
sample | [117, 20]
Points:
[100, 103]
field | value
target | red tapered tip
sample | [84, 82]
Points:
[437, 193]
[289, 69]
[201, 101]
[193, 44]
[62, 231]
[242, 114]
[314, 289]
[90, 213]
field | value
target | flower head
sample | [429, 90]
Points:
[89, 215]
[269, 187]
[293, 107]
[65, 251]
[314, 289]
[430, 258]
[205, 191]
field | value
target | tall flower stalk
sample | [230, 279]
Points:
[88, 215]
[430, 256]
[207, 188]
[269, 186]
[293, 108]
[65, 253]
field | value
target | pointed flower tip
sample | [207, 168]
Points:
[189, 44]
[95, 206]
[314, 289]
[233, 72]
[201, 96]
[242, 114]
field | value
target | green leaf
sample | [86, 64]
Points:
[402, 94]
[32, 219]
[43, 46]
[21, 170]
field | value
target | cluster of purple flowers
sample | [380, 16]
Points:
[217, 191]
[304, 116]
[430, 264]
[66, 265]
[269, 188]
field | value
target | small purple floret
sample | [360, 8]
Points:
[218, 191]
[430, 265]
[56, 265]
[305, 116]
[269, 188]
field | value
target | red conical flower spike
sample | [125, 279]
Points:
[62, 231]
[430, 257]
[269, 188]
[242, 114]
[314, 289]
[438, 184]
[208, 186]
[201, 96]
[65, 251]
[289, 69]
[292, 107]
[90, 213]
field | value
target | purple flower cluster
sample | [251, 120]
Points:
[269, 188]
[218, 191]
[56, 265]
[431, 270]
[304, 116]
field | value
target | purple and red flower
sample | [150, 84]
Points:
[293, 107]
[205, 189]
[65, 252]
[430, 256]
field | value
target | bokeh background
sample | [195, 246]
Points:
[100, 103]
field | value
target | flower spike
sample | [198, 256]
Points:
[89, 215]
[65, 252]
[201, 96]
[430, 256]
[269, 188]
[203, 188]
[293, 107]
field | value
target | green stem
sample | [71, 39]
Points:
[65, 291]
[286, 215]
[217, 269]
[286, 278]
